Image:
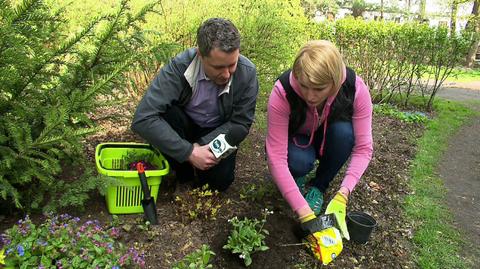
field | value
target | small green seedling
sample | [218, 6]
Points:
[200, 203]
[199, 259]
[247, 236]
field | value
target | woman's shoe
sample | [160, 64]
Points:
[314, 199]
[302, 184]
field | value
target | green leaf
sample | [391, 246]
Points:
[247, 260]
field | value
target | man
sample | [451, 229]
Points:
[201, 93]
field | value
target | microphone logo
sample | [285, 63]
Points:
[218, 146]
[224, 144]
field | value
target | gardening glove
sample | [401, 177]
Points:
[338, 207]
[322, 238]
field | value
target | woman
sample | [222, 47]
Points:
[320, 110]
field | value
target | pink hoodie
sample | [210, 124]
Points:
[277, 137]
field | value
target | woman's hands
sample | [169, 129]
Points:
[338, 207]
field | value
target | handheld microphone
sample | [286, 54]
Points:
[224, 144]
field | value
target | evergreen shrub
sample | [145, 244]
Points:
[51, 78]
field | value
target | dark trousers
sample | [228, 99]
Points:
[218, 177]
[337, 149]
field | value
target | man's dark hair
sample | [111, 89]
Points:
[217, 33]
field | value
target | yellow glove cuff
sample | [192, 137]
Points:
[307, 217]
[341, 198]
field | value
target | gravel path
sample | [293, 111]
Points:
[460, 170]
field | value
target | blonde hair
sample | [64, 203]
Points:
[319, 63]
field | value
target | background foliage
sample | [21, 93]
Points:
[397, 59]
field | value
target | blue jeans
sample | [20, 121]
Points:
[337, 149]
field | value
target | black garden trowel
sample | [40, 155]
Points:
[148, 203]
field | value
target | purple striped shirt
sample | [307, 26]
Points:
[203, 106]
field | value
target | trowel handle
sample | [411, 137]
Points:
[143, 180]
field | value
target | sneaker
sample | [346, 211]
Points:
[301, 184]
[314, 199]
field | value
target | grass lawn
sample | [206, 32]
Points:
[464, 75]
[438, 243]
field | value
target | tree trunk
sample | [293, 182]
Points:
[473, 26]
[422, 10]
[472, 53]
[381, 9]
[453, 17]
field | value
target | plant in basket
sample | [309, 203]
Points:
[129, 161]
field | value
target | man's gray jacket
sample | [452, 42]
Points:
[173, 86]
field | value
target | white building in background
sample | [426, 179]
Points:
[437, 11]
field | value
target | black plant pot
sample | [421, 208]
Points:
[360, 226]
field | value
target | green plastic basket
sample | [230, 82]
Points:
[125, 196]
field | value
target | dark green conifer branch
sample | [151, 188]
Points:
[50, 80]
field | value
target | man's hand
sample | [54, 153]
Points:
[338, 207]
[201, 157]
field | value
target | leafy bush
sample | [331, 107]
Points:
[394, 58]
[50, 79]
[62, 241]
[271, 30]
[247, 237]
[199, 259]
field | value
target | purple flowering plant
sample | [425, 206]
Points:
[64, 242]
